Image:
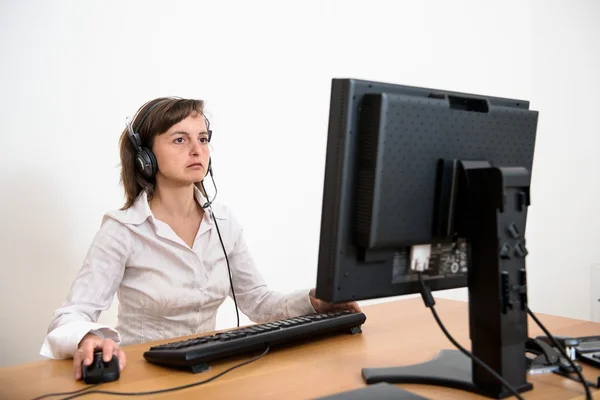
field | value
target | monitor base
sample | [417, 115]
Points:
[450, 368]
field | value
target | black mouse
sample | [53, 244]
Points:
[101, 371]
[546, 355]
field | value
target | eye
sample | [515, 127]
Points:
[203, 140]
[178, 140]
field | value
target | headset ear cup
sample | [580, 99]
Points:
[153, 163]
[145, 162]
[140, 164]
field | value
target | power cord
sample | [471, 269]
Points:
[588, 394]
[430, 303]
[595, 385]
[81, 393]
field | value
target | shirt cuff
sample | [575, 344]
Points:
[299, 304]
[63, 341]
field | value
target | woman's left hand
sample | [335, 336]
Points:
[321, 306]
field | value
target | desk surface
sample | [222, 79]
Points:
[395, 333]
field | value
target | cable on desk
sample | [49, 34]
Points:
[66, 393]
[429, 303]
[564, 374]
[81, 393]
[588, 394]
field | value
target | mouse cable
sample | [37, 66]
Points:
[81, 393]
[588, 394]
[429, 303]
[66, 393]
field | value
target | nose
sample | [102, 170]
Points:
[196, 147]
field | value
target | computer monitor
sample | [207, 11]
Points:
[436, 182]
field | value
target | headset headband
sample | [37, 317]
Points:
[134, 135]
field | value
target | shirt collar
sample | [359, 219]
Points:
[140, 210]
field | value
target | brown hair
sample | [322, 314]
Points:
[152, 119]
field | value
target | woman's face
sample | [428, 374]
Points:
[182, 153]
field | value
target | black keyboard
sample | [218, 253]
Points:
[195, 353]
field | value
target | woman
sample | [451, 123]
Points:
[167, 251]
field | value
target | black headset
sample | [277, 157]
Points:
[145, 160]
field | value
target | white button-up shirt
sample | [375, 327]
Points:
[165, 288]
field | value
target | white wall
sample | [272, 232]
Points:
[564, 221]
[72, 71]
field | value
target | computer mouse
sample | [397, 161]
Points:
[101, 371]
[546, 355]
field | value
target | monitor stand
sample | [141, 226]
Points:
[489, 207]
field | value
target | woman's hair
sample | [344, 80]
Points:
[153, 118]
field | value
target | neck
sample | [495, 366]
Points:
[174, 200]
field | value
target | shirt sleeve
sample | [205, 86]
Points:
[254, 297]
[92, 292]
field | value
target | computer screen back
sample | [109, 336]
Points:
[384, 144]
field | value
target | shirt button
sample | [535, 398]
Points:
[193, 330]
[197, 310]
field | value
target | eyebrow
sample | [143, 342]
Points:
[187, 134]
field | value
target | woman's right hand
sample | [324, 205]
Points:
[92, 343]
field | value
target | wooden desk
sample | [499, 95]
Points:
[396, 333]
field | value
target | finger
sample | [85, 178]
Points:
[108, 349]
[346, 306]
[318, 306]
[122, 359]
[77, 358]
[88, 347]
[355, 307]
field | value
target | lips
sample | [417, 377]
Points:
[195, 165]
